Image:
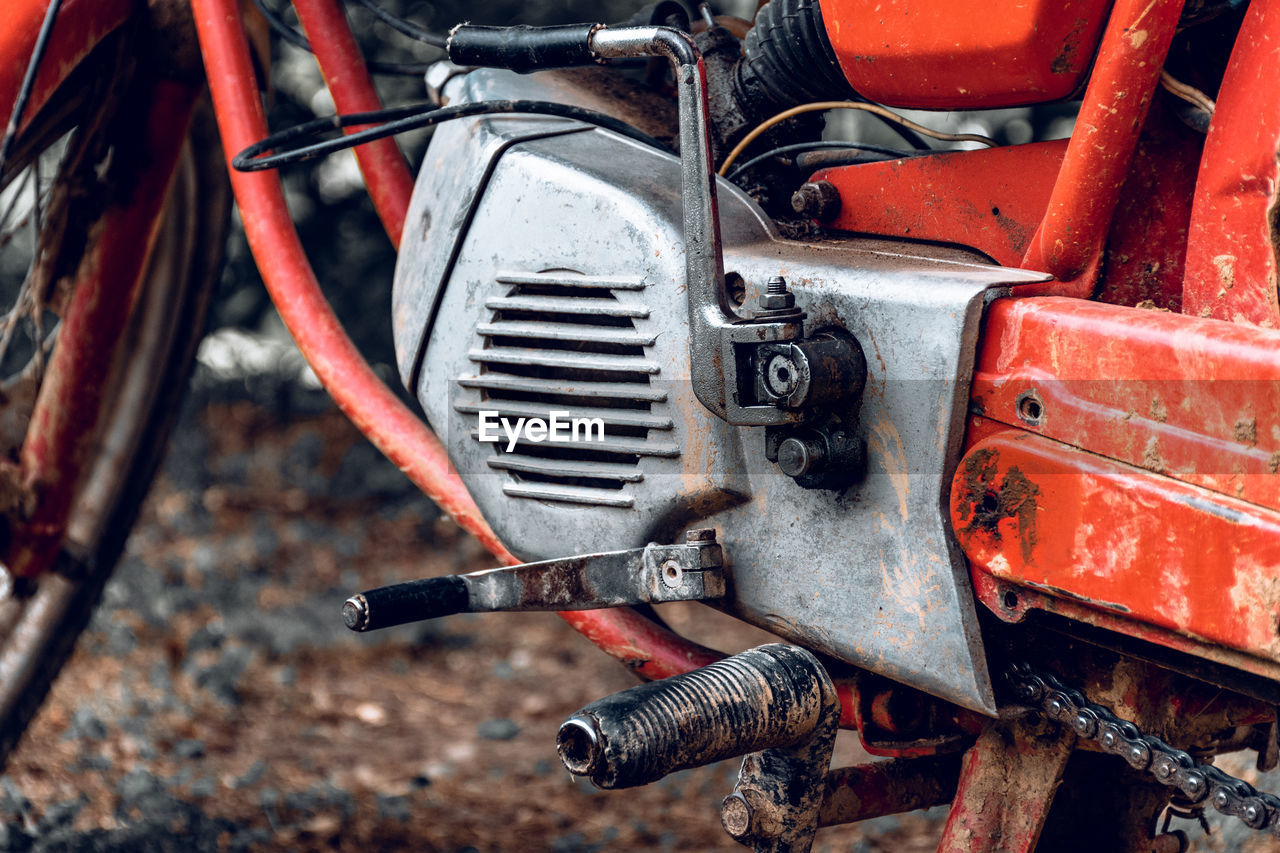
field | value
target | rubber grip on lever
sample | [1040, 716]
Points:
[399, 603]
[523, 49]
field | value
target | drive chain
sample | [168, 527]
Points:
[1199, 783]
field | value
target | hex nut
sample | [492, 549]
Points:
[777, 301]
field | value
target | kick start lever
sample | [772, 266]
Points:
[656, 573]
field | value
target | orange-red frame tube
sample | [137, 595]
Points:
[1069, 241]
[385, 172]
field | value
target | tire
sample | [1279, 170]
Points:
[40, 621]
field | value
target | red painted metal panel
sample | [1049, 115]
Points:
[1119, 539]
[1232, 256]
[383, 166]
[1194, 399]
[991, 199]
[964, 54]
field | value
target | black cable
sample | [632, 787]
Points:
[800, 147]
[396, 120]
[28, 83]
[402, 26]
[298, 40]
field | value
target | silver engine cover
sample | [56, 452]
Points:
[542, 269]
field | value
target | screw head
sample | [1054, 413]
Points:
[700, 534]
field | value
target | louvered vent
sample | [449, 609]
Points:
[567, 342]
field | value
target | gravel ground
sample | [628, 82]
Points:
[217, 703]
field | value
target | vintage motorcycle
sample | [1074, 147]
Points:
[989, 438]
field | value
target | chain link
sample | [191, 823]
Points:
[1201, 784]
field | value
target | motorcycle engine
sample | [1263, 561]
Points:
[542, 276]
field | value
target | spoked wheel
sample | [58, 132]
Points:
[45, 602]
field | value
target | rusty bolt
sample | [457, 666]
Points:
[736, 816]
[700, 534]
[776, 296]
[817, 199]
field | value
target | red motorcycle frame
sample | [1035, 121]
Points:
[1121, 464]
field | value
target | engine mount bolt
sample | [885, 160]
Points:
[700, 534]
[776, 296]
[799, 456]
[816, 199]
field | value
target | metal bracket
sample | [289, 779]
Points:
[721, 342]
[776, 805]
[692, 571]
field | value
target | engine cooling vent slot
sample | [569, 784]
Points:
[579, 346]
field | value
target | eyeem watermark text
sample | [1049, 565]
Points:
[560, 428]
